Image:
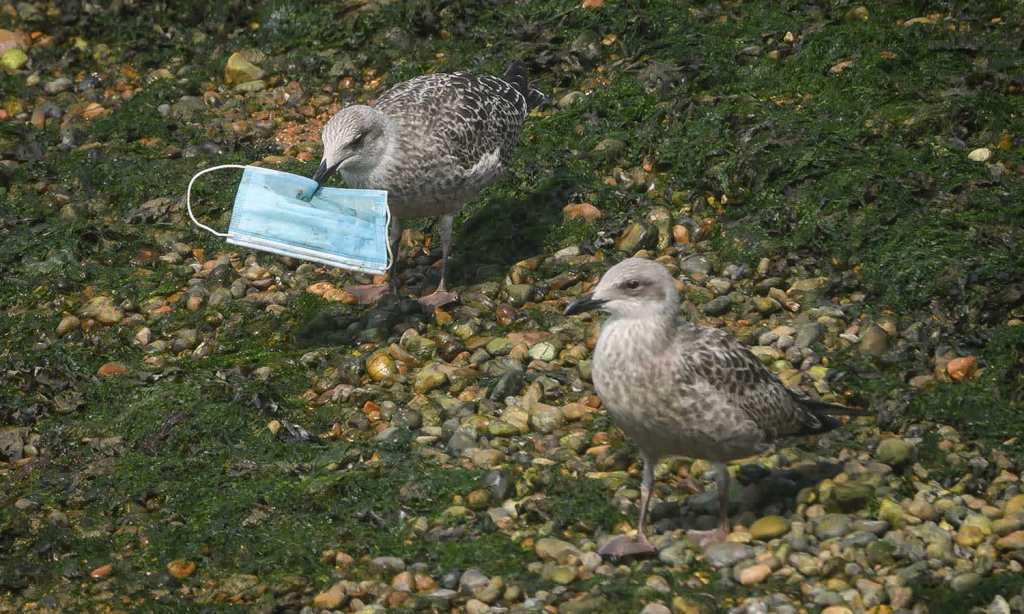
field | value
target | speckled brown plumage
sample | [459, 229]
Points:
[676, 388]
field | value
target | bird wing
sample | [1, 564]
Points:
[464, 117]
[736, 382]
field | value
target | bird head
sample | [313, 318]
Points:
[354, 141]
[633, 288]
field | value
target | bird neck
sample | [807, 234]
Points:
[389, 153]
[652, 331]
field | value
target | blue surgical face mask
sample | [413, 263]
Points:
[285, 214]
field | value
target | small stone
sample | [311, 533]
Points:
[655, 608]
[240, 70]
[1014, 505]
[181, 569]
[143, 336]
[874, 341]
[13, 59]
[805, 563]
[893, 451]
[429, 378]
[695, 264]
[1013, 541]
[755, 574]
[331, 598]
[891, 512]
[679, 553]
[769, 527]
[963, 368]
[608, 149]
[380, 367]
[727, 553]
[546, 418]
[582, 211]
[559, 574]
[832, 525]
[807, 334]
[58, 85]
[681, 234]
[981, 154]
[858, 13]
[67, 324]
[635, 237]
[718, 306]
[390, 564]
[551, 549]
[545, 350]
[111, 369]
[964, 582]
[101, 309]
[101, 572]
[851, 496]
[969, 536]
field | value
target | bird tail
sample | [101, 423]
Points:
[822, 415]
[517, 75]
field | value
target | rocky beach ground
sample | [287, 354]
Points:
[188, 426]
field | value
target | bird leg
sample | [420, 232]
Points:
[637, 545]
[367, 294]
[441, 296]
[706, 538]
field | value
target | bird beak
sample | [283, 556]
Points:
[324, 172]
[587, 302]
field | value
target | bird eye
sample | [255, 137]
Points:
[633, 284]
[356, 142]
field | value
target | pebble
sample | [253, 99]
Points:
[111, 369]
[67, 324]
[181, 569]
[981, 154]
[755, 574]
[831, 526]
[391, 564]
[874, 341]
[331, 598]
[101, 309]
[727, 553]
[1013, 541]
[962, 368]
[239, 70]
[58, 85]
[769, 527]
[551, 549]
[582, 211]
[893, 451]
[13, 59]
[718, 306]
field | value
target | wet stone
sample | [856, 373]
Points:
[679, 553]
[831, 526]
[874, 341]
[727, 553]
[718, 306]
[769, 527]
[695, 264]
[807, 335]
[851, 496]
[893, 451]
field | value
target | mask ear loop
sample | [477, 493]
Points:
[188, 197]
[387, 232]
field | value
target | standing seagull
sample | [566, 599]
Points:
[680, 389]
[433, 142]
